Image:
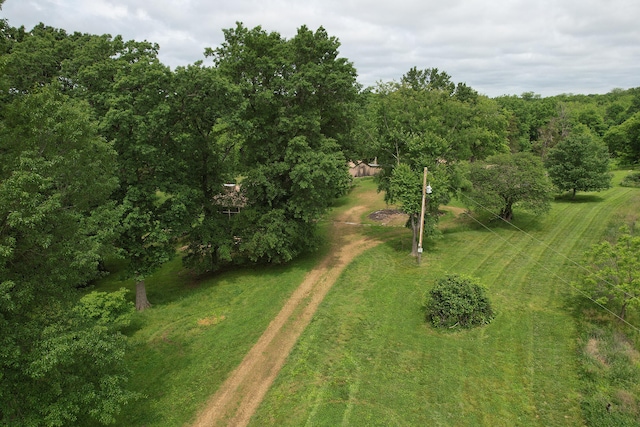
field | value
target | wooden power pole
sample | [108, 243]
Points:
[424, 200]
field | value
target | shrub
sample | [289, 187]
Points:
[631, 180]
[458, 301]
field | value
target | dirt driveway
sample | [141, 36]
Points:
[240, 395]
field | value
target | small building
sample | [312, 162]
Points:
[364, 169]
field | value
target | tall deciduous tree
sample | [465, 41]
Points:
[300, 105]
[127, 88]
[57, 174]
[554, 131]
[591, 118]
[529, 114]
[404, 188]
[426, 122]
[410, 136]
[207, 142]
[37, 59]
[137, 121]
[56, 223]
[580, 162]
[506, 181]
[430, 79]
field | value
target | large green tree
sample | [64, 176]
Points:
[554, 131]
[614, 273]
[56, 224]
[427, 121]
[506, 181]
[137, 120]
[127, 89]
[580, 162]
[36, 57]
[405, 187]
[207, 133]
[410, 137]
[299, 108]
[57, 174]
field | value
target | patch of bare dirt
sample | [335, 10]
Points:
[240, 395]
[353, 215]
[211, 320]
[392, 217]
[627, 402]
[395, 217]
[592, 350]
[384, 214]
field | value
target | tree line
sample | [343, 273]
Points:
[107, 153]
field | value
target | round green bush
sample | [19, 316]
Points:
[458, 301]
[631, 180]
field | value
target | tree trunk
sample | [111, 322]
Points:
[507, 212]
[573, 196]
[415, 227]
[142, 302]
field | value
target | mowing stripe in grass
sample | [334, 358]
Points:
[520, 370]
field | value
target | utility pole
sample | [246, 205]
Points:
[424, 199]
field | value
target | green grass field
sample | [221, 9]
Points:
[368, 357]
[196, 333]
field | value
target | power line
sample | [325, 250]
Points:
[562, 279]
[532, 237]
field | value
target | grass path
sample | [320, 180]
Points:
[240, 395]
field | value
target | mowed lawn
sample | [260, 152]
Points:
[200, 328]
[197, 331]
[368, 357]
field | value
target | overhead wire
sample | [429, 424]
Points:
[562, 279]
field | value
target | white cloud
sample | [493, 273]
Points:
[104, 9]
[498, 47]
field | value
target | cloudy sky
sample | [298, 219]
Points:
[495, 46]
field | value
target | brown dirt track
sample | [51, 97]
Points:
[240, 395]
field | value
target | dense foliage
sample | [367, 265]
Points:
[58, 362]
[428, 121]
[105, 152]
[614, 273]
[579, 163]
[458, 301]
[506, 181]
[298, 109]
[624, 139]
[631, 180]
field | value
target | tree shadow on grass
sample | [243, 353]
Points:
[134, 326]
[485, 222]
[264, 270]
[400, 238]
[173, 281]
[579, 198]
[399, 243]
[341, 202]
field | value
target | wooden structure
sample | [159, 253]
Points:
[231, 200]
[363, 169]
